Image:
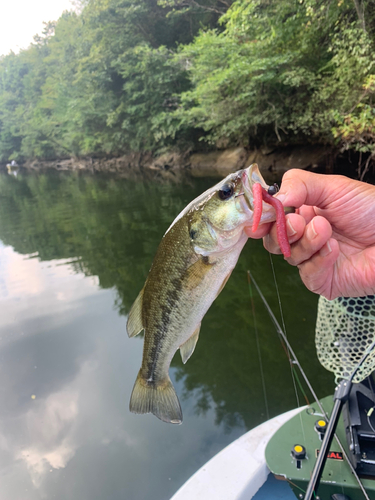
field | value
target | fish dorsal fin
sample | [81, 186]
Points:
[134, 324]
[187, 348]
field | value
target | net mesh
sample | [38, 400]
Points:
[345, 328]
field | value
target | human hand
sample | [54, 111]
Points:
[332, 233]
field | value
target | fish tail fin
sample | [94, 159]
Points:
[160, 399]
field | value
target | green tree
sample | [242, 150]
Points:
[12, 104]
[279, 72]
[107, 80]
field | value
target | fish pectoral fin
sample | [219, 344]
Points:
[197, 271]
[187, 348]
[134, 324]
[223, 284]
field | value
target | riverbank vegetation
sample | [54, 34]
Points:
[144, 75]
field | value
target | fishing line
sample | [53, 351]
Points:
[283, 336]
[288, 350]
[258, 349]
[301, 386]
[311, 389]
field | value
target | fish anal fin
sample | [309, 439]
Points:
[134, 324]
[187, 348]
[157, 398]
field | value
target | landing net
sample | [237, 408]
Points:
[345, 328]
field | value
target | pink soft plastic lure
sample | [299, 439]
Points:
[259, 195]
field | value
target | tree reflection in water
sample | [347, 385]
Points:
[110, 227]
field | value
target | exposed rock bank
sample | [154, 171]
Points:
[272, 162]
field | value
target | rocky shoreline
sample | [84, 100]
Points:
[273, 162]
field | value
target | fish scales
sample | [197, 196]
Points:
[163, 292]
[193, 262]
[176, 296]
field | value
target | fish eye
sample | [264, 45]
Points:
[273, 189]
[226, 191]
[192, 233]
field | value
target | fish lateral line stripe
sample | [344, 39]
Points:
[154, 355]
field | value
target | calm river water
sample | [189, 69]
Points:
[74, 253]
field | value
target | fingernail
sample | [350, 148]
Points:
[325, 250]
[290, 229]
[310, 231]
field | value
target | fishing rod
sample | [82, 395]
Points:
[322, 455]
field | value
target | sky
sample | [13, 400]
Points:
[20, 20]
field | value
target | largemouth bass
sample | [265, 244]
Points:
[193, 262]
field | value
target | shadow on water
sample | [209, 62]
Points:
[110, 228]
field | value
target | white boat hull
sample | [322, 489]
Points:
[239, 470]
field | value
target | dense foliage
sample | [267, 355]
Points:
[132, 75]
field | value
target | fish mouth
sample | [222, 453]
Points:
[251, 176]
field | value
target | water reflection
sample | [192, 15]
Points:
[73, 247]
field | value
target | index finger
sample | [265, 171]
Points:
[300, 187]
